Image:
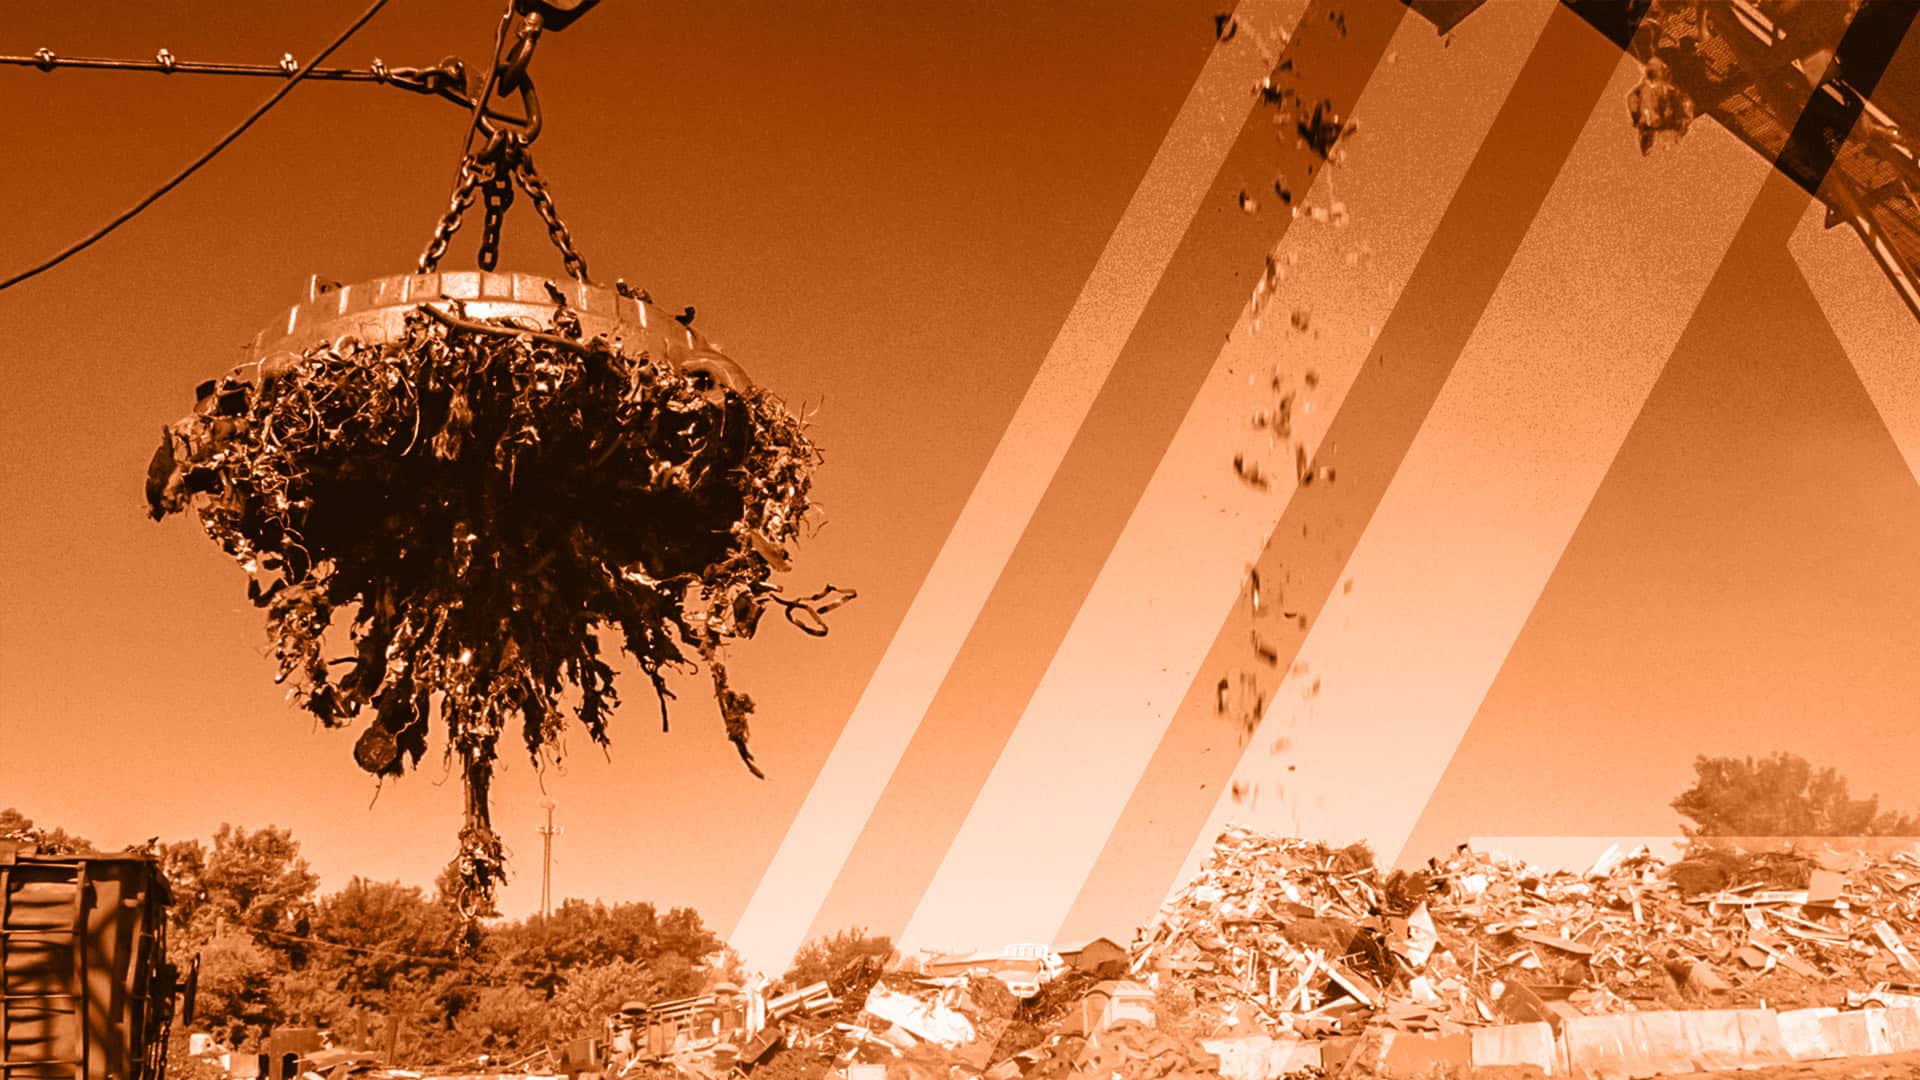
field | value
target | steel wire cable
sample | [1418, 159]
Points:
[261, 110]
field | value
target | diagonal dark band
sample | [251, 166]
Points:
[1334, 52]
[1861, 58]
[1524, 151]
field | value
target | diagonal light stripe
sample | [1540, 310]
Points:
[1143, 630]
[1494, 486]
[1728, 503]
[1511, 174]
[1770, 221]
[1339, 49]
[1866, 313]
[1003, 500]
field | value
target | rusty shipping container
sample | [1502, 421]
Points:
[86, 992]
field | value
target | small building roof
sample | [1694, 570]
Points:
[1073, 947]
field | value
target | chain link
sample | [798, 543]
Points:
[492, 181]
[503, 161]
[472, 174]
[497, 195]
[536, 189]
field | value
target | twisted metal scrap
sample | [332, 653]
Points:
[484, 498]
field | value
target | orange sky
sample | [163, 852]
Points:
[888, 213]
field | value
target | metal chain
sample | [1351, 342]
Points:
[472, 174]
[536, 189]
[493, 181]
[506, 159]
[497, 195]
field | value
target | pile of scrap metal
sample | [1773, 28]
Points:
[305, 1053]
[1281, 955]
[926, 1026]
[1019, 1010]
[1296, 940]
[1022, 969]
[712, 1034]
[970, 1012]
[86, 990]
[910, 1028]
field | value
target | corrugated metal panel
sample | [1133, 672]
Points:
[80, 942]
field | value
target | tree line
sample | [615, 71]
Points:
[1781, 795]
[274, 951]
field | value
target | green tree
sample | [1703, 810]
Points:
[591, 994]
[235, 998]
[1781, 795]
[184, 862]
[506, 1020]
[370, 933]
[578, 934]
[50, 841]
[311, 997]
[258, 881]
[274, 951]
[848, 962]
[415, 1001]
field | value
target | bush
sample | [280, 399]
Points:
[506, 1020]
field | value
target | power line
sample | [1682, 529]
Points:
[447, 79]
[261, 110]
[369, 950]
[165, 64]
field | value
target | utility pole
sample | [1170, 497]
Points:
[547, 833]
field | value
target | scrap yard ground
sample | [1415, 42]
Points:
[1887, 1067]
